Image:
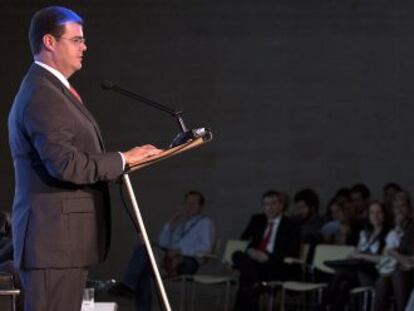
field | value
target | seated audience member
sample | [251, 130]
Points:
[395, 280]
[389, 192]
[342, 229]
[343, 196]
[186, 237]
[272, 237]
[286, 200]
[360, 269]
[403, 197]
[332, 219]
[360, 198]
[333, 211]
[307, 207]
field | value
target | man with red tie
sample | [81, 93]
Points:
[272, 237]
[61, 212]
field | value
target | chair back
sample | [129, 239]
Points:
[304, 252]
[325, 252]
[233, 246]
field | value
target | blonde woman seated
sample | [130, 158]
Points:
[395, 280]
[359, 269]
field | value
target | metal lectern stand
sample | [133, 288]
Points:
[137, 213]
[141, 226]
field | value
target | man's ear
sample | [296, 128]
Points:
[49, 42]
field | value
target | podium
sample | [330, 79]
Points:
[136, 213]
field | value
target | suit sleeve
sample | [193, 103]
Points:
[52, 134]
[248, 231]
[290, 242]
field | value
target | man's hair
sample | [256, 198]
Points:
[50, 20]
[343, 192]
[361, 188]
[309, 196]
[392, 185]
[201, 198]
[272, 193]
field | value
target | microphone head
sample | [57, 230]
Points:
[107, 85]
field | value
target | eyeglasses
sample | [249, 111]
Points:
[75, 40]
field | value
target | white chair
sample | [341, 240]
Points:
[227, 279]
[272, 286]
[368, 295]
[323, 253]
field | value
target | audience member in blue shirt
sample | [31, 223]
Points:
[185, 238]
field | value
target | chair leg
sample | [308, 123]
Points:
[227, 296]
[193, 294]
[365, 301]
[282, 299]
[270, 299]
[182, 293]
[373, 300]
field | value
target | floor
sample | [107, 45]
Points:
[208, 298]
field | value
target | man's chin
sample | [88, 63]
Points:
[77, 67]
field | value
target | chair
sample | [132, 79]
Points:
[273, 285]
[323, 253]
[8, 292]
[185, 278]
[227, 279]
[368, 295]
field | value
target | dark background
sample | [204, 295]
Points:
[299, 93]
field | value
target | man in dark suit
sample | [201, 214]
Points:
[61, 216]
[273, 237]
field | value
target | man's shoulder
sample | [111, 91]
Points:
[205, 219]
[258, 219]
[289, 223]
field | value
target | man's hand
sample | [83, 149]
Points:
[137, 154]
[176, 219]
[257, 255]
[173, 253]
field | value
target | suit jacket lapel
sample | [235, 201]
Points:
[86, 112]
[36, 69]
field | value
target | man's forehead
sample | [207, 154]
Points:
[73, 29]
[271, 198]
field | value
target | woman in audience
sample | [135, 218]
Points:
[395, 281]
[342, 229]
[360, 270]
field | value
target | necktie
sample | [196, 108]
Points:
[266, 239]
[75, 93]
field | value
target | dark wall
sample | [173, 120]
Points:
[299, 93]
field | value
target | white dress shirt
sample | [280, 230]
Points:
[66, 83]
[275, 228]
[55, 72]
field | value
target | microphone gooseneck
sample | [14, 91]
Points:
[184, 136]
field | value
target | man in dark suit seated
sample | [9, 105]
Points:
[272, 237]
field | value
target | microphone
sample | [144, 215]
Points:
[184, 136]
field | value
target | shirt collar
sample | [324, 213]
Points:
[55, 72]
[275, 221]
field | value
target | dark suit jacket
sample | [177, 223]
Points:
[61, 215]
[287, 243]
